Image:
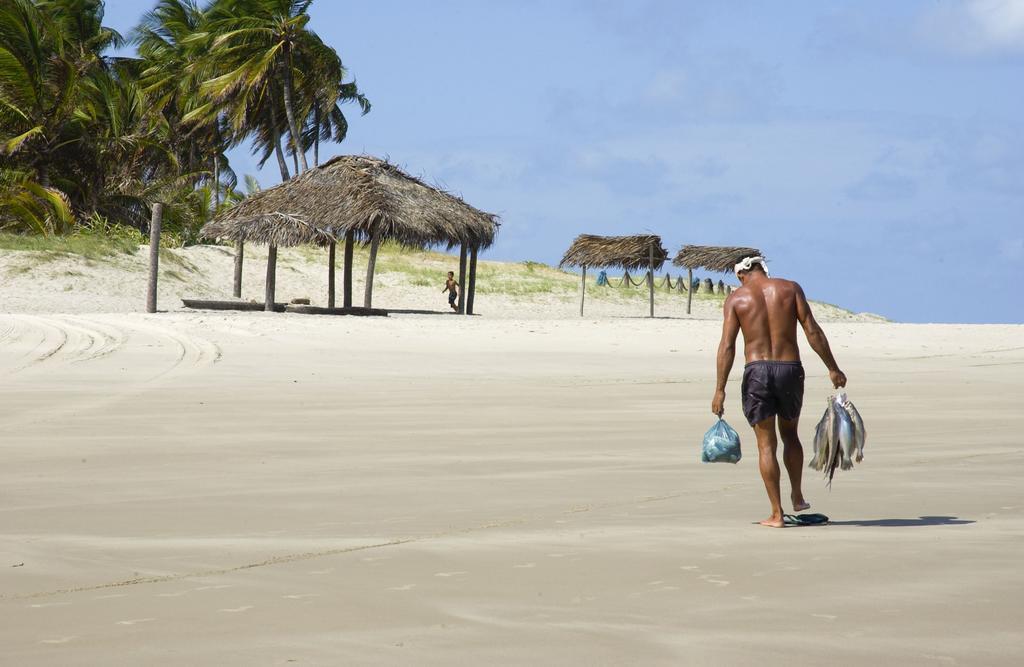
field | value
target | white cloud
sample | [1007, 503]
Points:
[976, 26]
[1000, 21]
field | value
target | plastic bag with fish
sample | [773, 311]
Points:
[721, 444]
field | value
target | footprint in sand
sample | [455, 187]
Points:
[236, 609]
[407, 587]
[689, 567]
[212, 588]
[321, 572]
[300, 596]
[40, 605]
[134, 621]
[111, 596]
[714, 579]
[62, 640]
[449, 574]
[827, 617]
[523, 566]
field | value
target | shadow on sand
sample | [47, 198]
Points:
[906, 523]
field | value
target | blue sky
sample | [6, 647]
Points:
[873, 150]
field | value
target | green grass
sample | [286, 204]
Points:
[90, 246]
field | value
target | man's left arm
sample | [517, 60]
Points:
[726, 355]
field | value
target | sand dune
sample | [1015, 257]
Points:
[61, 283]
[205, 488]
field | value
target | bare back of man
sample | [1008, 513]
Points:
[767, 310]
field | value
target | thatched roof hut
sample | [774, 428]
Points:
[358, 193]
[720, 259]
[626, 252]
[356, 198]
[641, 251]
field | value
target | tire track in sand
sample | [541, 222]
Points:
[67, 344]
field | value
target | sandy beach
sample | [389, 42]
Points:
[207, 488]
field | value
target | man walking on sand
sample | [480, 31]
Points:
[767, 310]
[452, 287]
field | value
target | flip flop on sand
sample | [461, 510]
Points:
[809, 519]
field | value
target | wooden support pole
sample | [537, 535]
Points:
[330, 274]
[583, 289]
[216, 185]
[268, 299]
[471, 293]
[462, 279]
[154, 255]
[650, 275]
[689, 289]
[239, 258]
[346, 271]
[371, 264]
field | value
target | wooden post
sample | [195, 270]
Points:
[650, 275]
[462, 279]
[330, 274]
[239, 258]
[370, 266]
[346, 271]
[268, 300]
[689, 289]
[471, 294]
[154, 255]
[583, 289]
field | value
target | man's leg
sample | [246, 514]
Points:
[793, 457]
[767, 444]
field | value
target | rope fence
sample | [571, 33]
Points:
[666, 282]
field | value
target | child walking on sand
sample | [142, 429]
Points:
[452, 287]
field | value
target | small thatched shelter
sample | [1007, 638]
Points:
[358, 198]
[720, 259]
[625, 252]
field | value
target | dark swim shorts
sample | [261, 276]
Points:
[452, 296]
[772, 388]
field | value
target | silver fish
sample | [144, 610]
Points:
[847, 440]
[834, 453]
[859, 434]
[821, 435]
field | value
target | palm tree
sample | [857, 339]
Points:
[45, 53]
[83, 134]
[38, 85]
[169, 39]
[266, 54]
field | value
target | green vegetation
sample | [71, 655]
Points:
[90, 246]
[87, 139]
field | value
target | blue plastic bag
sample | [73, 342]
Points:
[721, 444]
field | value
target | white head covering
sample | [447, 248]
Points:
[747, 263]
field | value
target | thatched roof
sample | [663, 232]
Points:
[713, 258]
[359, 193]
[627, 252]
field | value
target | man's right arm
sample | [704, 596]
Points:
[816, 338]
